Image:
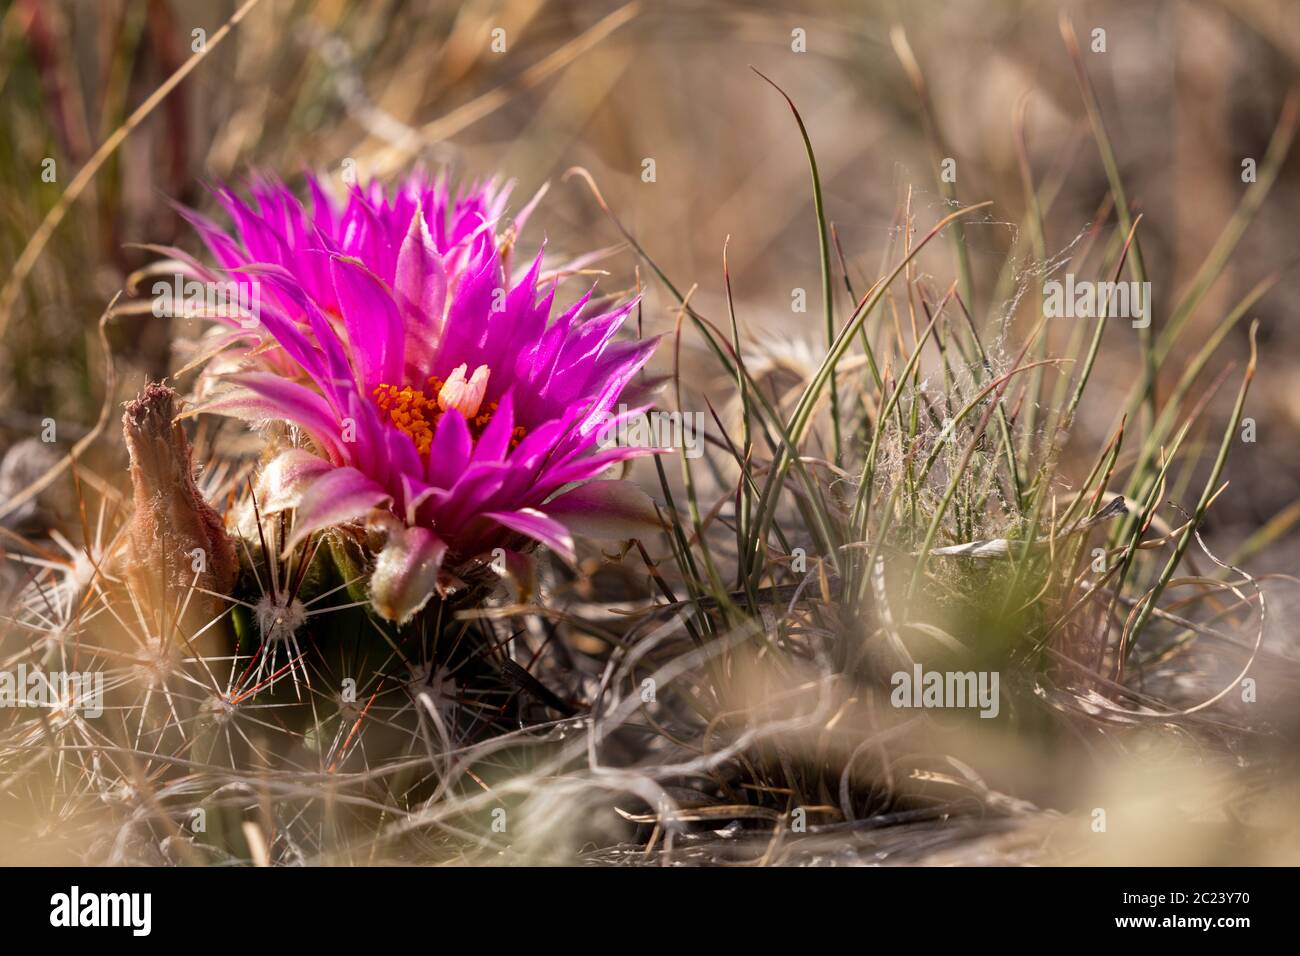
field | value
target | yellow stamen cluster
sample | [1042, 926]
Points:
[481, 420]
[411, 411]
[416, 412]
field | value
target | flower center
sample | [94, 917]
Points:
[416, 411]
[466, 396]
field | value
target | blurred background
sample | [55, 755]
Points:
[657, 100]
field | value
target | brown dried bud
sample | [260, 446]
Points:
[177, 540]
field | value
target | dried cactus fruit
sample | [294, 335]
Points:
[178, 545]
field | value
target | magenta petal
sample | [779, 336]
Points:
[450, 451]
[588, 466]
[494, 443]
[322, 213]
[224, 248]
[538, 444]
[403, 459]
[469, 314]
[406, 573]
[366, 441]
[533, 524]
[482, 487]
[338, 496]
[414, 494]
[284, 481]
[363, 235]
[611, 510]
[583, 350]
[266, 397]
[420, 287]
[286, 333]
[260, 237]
[612, 377]
[375, 333]
[330, 367]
